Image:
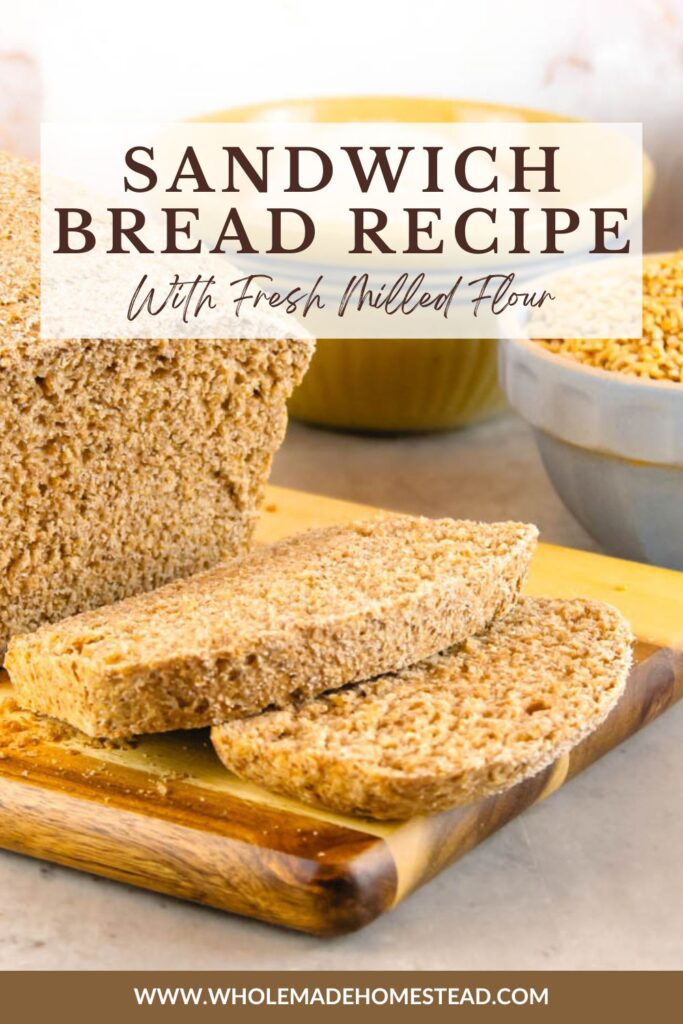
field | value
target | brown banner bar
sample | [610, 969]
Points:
[100, 997]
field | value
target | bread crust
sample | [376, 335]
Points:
[459, 727]
[288, 621]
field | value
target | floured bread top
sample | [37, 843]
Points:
[307, 579]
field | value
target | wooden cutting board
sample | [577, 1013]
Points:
[165, 815]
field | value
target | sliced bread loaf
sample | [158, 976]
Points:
[123, 464]
[459, 726]
[313, 612]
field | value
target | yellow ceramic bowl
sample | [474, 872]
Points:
[402, 384]
[399, 384]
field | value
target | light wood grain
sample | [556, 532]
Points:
[166, 816]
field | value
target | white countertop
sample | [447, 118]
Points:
[589, 879]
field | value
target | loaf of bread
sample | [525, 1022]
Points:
[316, 611]
[458, 727]
[123, 464]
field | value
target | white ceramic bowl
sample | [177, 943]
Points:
[612, 446]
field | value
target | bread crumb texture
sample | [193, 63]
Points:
[460, 726]
[287, 621]
[124, 464]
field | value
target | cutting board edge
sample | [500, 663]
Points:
[328, 897]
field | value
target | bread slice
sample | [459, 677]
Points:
[316, 611]
[123, 464]
[459, 726]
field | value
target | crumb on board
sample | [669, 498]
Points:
[47, 742]
[22, 730]
[24, 734]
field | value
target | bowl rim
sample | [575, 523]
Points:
[628, 417]
[299, 105]
[247, 110]
[623, 380]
